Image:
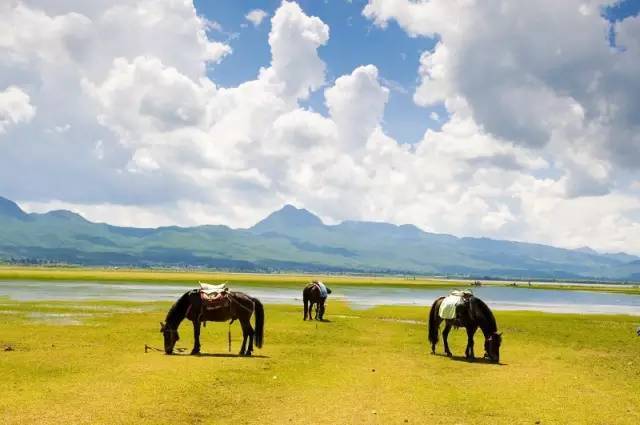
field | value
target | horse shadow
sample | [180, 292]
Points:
[477, 360]
[227, 355]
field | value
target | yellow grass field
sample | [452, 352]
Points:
[85, 363]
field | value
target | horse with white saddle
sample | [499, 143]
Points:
[315, 293]
[463, 309]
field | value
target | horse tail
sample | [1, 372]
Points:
[305, 301]
[259, 330]
[434, 322]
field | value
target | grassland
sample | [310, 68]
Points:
[85, 363]
[172, 276]
[158, 276]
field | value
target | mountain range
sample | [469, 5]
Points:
[293, 239]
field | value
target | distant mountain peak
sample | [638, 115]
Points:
[11, 209]
[65, 214]
[286, 218]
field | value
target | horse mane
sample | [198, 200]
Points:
[488, 321]
[178, 310]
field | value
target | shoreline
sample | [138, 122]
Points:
[355, 297]
[163, 276]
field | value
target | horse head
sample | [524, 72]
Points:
[492, 347]
[171, 336]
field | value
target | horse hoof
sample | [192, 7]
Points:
[195, 352]
[449, 354]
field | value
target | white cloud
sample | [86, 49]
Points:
[256, 16]
[217, 51]
[565, 96]
[15, 108]
[356, 104]
[559, 88]
[295, 68]
[524, 152]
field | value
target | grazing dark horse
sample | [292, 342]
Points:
[472, 314]
[191, 306]
[311, 294]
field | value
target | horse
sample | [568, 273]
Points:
[471, 314]
[311, 294]
[191, 306]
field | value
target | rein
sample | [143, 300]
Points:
[240, 304]
[148, 347]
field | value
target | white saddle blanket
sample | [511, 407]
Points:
[323, 290]
[448, 305]
[213, 289]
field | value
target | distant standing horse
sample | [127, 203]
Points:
[191, 306]
[312, 294]
[472, 314]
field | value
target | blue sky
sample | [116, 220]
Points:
[354, 41]
[618, 12]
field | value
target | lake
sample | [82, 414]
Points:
[499, 298]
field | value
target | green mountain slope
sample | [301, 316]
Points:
[296, 240]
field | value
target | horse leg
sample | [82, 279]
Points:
[321, 308]
[244, 338]
[248, 330]
[306, 309]
[445, 334]
[196, 337]
[471, 330]
[437, 324]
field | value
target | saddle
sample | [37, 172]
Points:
[214, 296]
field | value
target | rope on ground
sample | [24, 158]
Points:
[148, 347]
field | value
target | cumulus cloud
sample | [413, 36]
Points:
[149, 139]
[256, 16]
[566, 87]
[356, 104]
[15, 108]
[565, 96]
[294, 39]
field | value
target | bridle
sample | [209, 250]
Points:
[170, 331]
[493, 339]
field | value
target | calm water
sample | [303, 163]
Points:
[500, 298]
